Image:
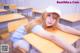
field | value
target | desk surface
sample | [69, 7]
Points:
[3, 10]
[72, 17]
[12, 26]
[36, 10]
[22, 8]
[9, 17]
[46, 46]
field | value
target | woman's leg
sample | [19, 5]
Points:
[21, 45]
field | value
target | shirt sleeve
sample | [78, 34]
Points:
[37, 28]
[18, 34]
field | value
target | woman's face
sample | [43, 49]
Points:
[51, 19]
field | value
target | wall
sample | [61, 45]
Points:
[42, 4]
[17, 2]
[65, 8]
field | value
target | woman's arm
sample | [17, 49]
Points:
[48, 35]
[68, 29]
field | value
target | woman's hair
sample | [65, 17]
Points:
[40, 20]
[33, 23]
[44, 15]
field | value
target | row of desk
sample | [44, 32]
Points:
[10, 17]
[10, 22]
[3, 12]
[47, 46]
[73, 17]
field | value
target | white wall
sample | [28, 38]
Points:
[65, 8]
[2, 1]
[42, 4]
[17, 2]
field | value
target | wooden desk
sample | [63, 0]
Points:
[1, 4]
[5, 35]
[12, 26]
[46, 46]
[37, 11]
[8, 21]
[22, 8]
[25, 11]
[72, 17]
[10, 17]
[12, 6]
[3, 10]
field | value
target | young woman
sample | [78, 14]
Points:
[41, 27]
